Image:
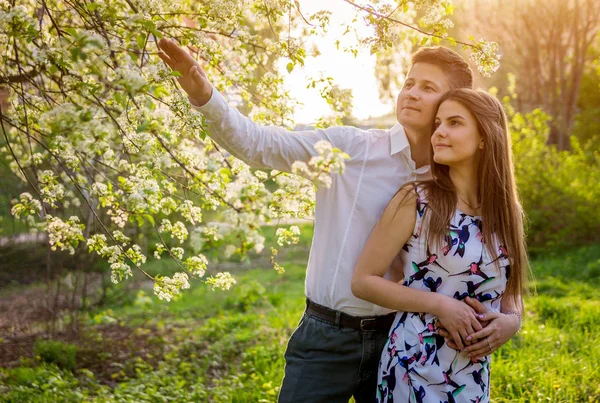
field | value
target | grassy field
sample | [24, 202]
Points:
[228, 346]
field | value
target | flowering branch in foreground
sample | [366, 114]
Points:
[98, 129]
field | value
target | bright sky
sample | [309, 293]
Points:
[347, 71]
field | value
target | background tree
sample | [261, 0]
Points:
[547, 46]
[586, 125]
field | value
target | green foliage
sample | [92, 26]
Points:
[220, 354]
[586, 126]
[559, 189]
[247, 296]
[45, 383]
[56, 352]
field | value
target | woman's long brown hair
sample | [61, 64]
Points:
[500, 208]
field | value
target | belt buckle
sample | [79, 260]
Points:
[363, 321]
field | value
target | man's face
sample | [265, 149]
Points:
[418, 100]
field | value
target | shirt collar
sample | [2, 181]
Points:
[398, 139]
[399, 143]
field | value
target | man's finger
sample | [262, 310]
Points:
[476, 325]
[179, 53]
[200, 70]
[475, 304]
[451, 344]
[170, 48]
[444, 333]
[165, 58]
[464, 333]
[457, 340]
[195, 74]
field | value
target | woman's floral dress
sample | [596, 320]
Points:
[416, 365]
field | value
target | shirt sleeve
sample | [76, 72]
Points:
[270, 147]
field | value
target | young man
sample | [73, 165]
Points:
[335, 351]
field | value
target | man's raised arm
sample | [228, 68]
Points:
[259, 146]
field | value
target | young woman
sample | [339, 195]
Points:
[460, 236]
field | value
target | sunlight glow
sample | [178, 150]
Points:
[347, 71]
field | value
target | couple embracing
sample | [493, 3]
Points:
[418, 261]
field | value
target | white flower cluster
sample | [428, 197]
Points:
[486, 57]
[135, 255]
[177, 252]
[18, 18]
[114, 254]
[131, 79]
[261, 175]
[435, 14]
[295, 197]
[177, 230]
[320, 168]
[289, 236]
[142, 190]
[196, 265]
[160, 248]
[64, 235]
[26, 206]
[190, 212]
[222, 280]
[120, 237]
[118, 216]
[119, 271]
[125, 124]
[96, 242]
[166, 288]
[50, 189]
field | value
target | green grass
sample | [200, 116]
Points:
[228, 346]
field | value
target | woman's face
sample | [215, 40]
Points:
[456, 140]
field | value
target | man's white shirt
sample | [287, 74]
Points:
[345, 213]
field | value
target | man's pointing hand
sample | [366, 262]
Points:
[193, 79]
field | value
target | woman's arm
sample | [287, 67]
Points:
[387, 238]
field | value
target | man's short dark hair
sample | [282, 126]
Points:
[457, 71]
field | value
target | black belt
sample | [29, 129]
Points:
[341, 319]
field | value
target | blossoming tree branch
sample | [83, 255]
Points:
[97, 128]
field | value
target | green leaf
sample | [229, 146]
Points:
[424, 41]
[290, 67]
[144, 126]
[141, 40]
[149, 218]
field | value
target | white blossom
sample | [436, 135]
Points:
[177, 253]
[27, 205]
[166, 288]
[196, 265]
[222, 280]
[119, 272]
[64, 235]
[288, 236]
